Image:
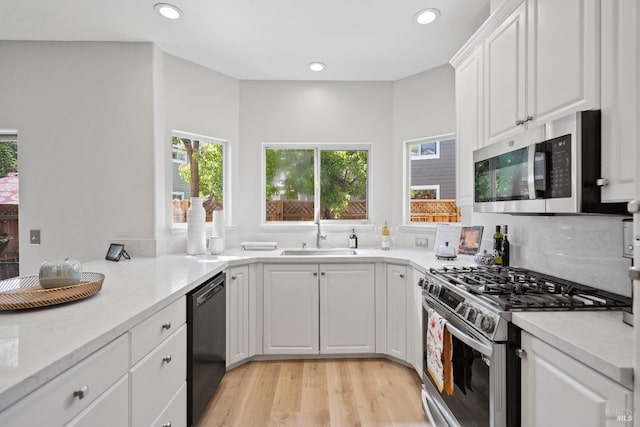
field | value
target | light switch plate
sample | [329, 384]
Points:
[34, 237]
[422, 241]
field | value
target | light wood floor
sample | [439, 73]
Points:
[339, 392]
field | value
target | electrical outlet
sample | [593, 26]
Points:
[34, 237]
[422, 241]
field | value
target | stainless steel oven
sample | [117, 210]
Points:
[476, 303]
[479, 374]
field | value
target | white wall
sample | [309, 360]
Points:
[84, 116]
[423, 106]
[286, 111]
[201, 101]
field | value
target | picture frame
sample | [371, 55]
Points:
[115, 252]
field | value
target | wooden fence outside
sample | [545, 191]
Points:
[180, 208]
[421, 210]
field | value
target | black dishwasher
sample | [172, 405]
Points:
[206, 344]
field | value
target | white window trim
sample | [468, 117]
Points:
[181, 158]
[406, 172]
[427, 156]
[178, 193]
[317, 147]
[226, 174]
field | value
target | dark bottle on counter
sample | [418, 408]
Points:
[505, 248]
[353, 239]
[497, 246]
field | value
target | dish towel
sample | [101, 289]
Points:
[439, 351]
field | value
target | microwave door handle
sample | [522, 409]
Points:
[531, 172]
[468, 340]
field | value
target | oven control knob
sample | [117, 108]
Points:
[487, 324]
[462, 309]
[434, 289]
[472, 315]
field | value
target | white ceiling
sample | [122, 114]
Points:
[367, 40]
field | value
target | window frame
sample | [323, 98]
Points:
[317, 148]
[427, 187]
[406, 174]
[226, 176]
[427, 156]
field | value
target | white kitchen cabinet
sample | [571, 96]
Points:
[291, 309]
[107, 410]
[237, 314]
[173, 414]
[347, 308]
[558, 390]
[541, 63]
[469, 109]
[75, 390]
[157, 378]
[619, 98]
[397, 284]
[505, 77]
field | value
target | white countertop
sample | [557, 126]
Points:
[37, 345]
[598, 339]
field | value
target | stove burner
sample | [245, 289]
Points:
[512, 288]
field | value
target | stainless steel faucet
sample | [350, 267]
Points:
[319, 235]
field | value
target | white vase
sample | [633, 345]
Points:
[196, 230]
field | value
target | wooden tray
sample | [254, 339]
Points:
[25, 292]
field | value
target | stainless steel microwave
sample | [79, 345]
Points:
[554, 169]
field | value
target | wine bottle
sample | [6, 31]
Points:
[353, 239]
[386, 237]
[505, 248]
[497, 246]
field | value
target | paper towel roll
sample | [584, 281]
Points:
[218, 224]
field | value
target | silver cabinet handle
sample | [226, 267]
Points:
[167, 359]
[167, 424]
[323, 273]
[232, 278]
[82, 392]
[528, 119]
[315, 274]
[521, 353]
[519, 122]
[166, 325]
[402, 276]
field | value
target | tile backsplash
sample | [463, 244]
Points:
[583, 248]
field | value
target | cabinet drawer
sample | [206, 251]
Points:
[55, 402]
[110, 409]
[175, 414]
[155, 380]
[150, 332]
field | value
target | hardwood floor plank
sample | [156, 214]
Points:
[317, 393]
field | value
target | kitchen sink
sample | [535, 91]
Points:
[317, 252]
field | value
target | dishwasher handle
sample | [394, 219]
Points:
[202, 299]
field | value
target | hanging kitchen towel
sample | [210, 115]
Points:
[439, 353]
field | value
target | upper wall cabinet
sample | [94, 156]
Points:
[619, 98]
[541, 64]
[468, 122]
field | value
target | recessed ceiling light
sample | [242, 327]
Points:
[169, 11]
[316, 66]
[427, 16]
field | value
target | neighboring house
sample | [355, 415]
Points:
[181, 188]
[433, 170]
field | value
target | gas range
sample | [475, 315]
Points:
[485, 296]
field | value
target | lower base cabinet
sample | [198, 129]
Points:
[107, 410]
[313, 309]
[558, 390]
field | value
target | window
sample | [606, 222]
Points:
[300, 177]
[430, 180]
[197, 171]
[425, 150]
[9, 199]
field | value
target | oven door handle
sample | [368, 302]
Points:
[469, 340]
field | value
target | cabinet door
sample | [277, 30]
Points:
[469, 121]
[397, 311]
[416, 313]
[291, 309]
[237, 314]
[619, 98]
[108, 409]
[347, 308]
[505, 77]
[558, 390]
[563, 60]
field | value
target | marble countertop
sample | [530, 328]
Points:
[37, 345]
[598, 339]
